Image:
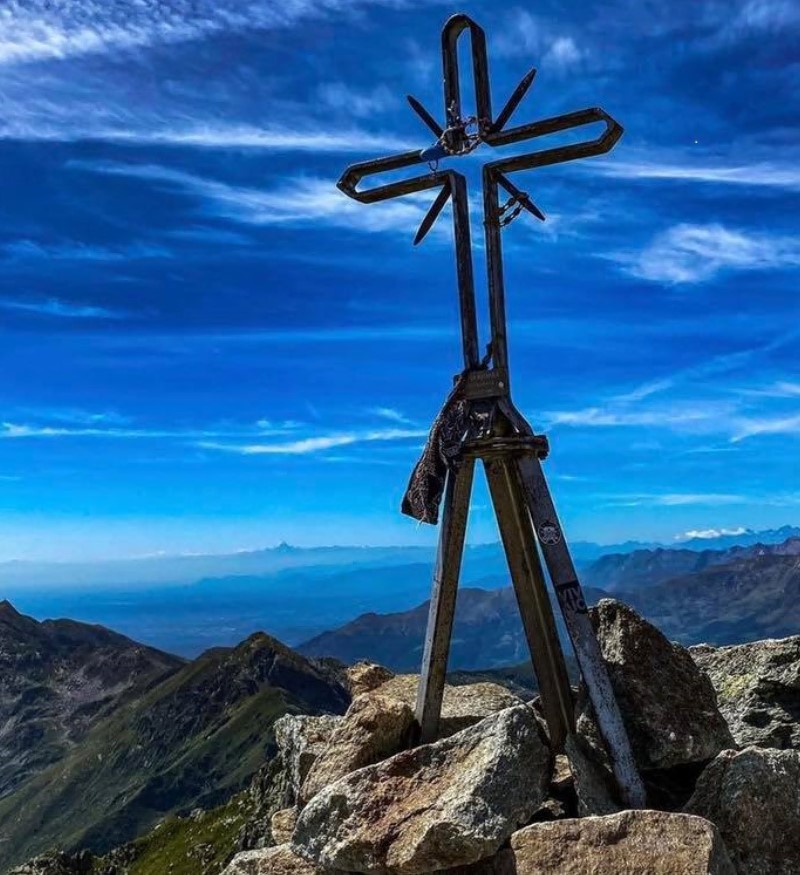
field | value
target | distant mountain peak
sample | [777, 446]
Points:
[283, 547]
[7, 609]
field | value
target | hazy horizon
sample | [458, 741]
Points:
[429, 545]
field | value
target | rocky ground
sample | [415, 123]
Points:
[715, 732]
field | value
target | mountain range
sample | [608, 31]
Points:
[223, 599]
[59, 678]
[734, 596]
[161, 570]
[646, 568]
[487, 634]
[102, 737]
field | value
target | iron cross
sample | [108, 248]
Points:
[460, 136]
[480, 422]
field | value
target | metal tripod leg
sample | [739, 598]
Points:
[534, 604]
[587, 650]
[443, 599]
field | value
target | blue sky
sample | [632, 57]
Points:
[205, 346]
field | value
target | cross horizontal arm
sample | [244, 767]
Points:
[557, 124]
[356, 172]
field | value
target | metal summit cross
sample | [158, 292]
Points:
[479, 420]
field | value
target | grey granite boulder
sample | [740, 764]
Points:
[668, 704]
[364, 677]
[628, 843]
[282, 825]
[462, 706]
[374, 728]
[758, 689]
[437, 806]
[594, 782]
[753, 796]
[301, 739]
[271, 861]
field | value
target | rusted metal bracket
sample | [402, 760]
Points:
[507, 447]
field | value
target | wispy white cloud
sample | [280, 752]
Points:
[31, 250]
[297, 201]
[286, 425]
[75, 416]
[692, 417]
[645, 390]
[752, 426]
[715, 367]
[202, 106]
[237, 136]
[533, 37]
[686, 254]
[706, 534]
[263, 438]
[719, 411]
[677, 499]
[309, 445]
[691, 169]
[69, 124]
[113, 426]
[778, 389]
[189, 343]
[760, 17]
[344, 100]
[215, 236]
[56, 308]
[32, 30]
[392, 415]
[562, 53]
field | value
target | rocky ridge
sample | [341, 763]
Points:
[347, 795]
[194, 740]
[758, 689]
[58, 679]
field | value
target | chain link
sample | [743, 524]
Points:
[511, 209]
[470, 140]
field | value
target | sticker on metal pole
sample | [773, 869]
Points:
[549, 533]
[572, 596]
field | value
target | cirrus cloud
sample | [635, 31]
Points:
[33, 30]
[689, 253]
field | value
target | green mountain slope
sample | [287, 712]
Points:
[57, 680]
[192, 741]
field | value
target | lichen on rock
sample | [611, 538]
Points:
[753, 796]
[758, 689]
